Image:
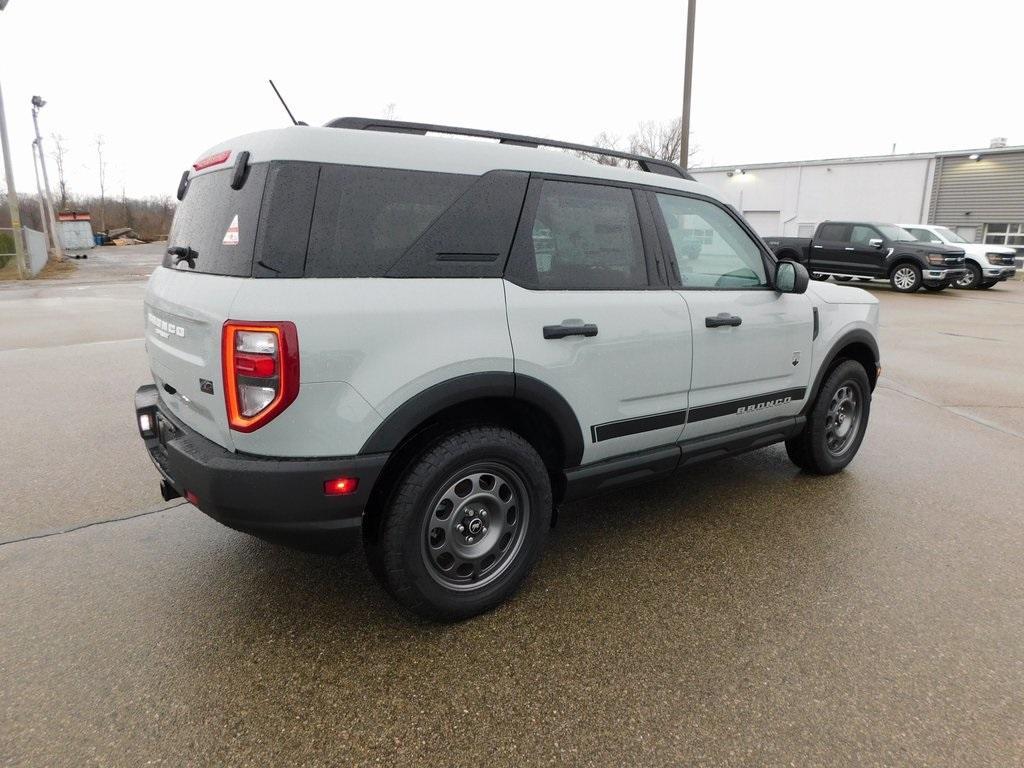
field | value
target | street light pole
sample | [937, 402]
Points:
[37, 104]
[12, 194]
[684, 127]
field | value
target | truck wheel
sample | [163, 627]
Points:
[936, 288]
[465, 524]
[818, 276]
[843, 278]
[836, 422]
[906, 278]
[985, 286]
[971, 278]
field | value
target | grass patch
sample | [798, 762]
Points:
[53, 270]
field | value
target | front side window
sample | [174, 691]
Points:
[586, 236]
[712, 250]
[861, 235]
[923, 235]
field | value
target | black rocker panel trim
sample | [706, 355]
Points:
[613, 429]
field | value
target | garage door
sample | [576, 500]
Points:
[765, 223]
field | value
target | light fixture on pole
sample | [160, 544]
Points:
[38, 103]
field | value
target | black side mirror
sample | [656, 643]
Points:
[791, 277]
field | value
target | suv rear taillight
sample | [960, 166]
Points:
[261, 371]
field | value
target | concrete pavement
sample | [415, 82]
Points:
[740, 614]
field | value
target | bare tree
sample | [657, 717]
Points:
[103, 191]
[129, 219]
[661, 141]
[59, 151]
[650, 139]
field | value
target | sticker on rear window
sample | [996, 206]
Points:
[231, 236]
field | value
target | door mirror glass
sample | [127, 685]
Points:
[791, 277]
[876, 242]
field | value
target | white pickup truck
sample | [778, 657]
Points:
[986, 264]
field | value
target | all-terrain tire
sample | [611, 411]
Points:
[499, 471]
[828, 443]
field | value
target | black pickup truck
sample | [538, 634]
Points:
[868, 251]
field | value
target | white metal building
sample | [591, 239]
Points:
[979, 193]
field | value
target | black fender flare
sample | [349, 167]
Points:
[427, 403]
[856, 336]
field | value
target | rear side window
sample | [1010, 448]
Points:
[583, 236]
[205, 221]
[833, 232]
[364, 219]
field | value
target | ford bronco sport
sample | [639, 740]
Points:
[372, 328]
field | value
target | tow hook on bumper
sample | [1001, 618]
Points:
[168, 492]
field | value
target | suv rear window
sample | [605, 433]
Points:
[204, 216]
[365, 218]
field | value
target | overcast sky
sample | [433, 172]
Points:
[789, 79]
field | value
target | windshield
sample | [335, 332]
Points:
[949, 235]
[898, 234]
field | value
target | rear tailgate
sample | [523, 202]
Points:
[189, 298]
[184, 317]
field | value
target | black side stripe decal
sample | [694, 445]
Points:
[756, 403]
[634, 426]
[613, 429]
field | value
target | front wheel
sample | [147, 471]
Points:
[465, 524]
[971, 278]
[836, 423]
[906, 278]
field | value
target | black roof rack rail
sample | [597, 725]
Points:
[649, 164]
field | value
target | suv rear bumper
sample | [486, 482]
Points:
[254, 493]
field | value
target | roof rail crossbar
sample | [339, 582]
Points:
[648, 164]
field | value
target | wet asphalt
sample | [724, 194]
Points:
[740, 614]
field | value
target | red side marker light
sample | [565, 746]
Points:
[340, 486]
[217, 159]
[191, 498]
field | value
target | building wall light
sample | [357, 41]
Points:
[974, 157]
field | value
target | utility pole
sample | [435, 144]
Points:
[12, 195]
[684, 127]
[37, 104]
[39, 192]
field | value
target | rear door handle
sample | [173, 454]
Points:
[722, 318]
[563, 330]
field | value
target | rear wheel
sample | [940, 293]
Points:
[836, 423]
[465, 524]
[971, 278]
[985, 286]
[906, 278]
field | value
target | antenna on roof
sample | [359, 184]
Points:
[283, 104]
